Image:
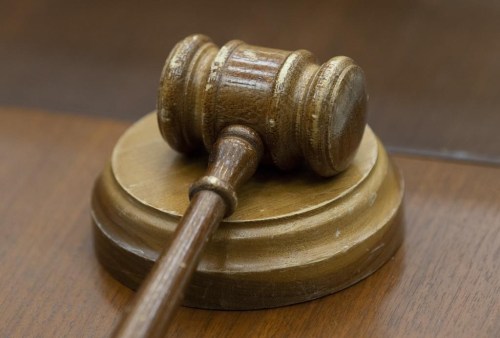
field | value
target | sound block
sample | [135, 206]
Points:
[294, 236]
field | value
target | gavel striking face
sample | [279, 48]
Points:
[242, 102]
[300, 109]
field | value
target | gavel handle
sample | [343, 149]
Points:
[162, 291]
[234, 159]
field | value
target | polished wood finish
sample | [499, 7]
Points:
[163, 289]
[302, 110]
[238, 99]
[294, 236]
[49, 285]
[433, 70]
[444, 280]
[233, 160]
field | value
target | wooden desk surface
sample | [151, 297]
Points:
[444, 281]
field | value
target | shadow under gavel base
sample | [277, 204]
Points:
[294, 236]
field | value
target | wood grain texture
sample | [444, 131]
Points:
[432, 67]
[160, 294]
[233, 160]
[444, 281]
[301, 109]
[294, 237]
[245, 100]
[50, 284]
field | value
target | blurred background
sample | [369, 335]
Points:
[433, 67]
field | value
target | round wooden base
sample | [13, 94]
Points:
[294, 236]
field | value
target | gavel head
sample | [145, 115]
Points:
[301, 110]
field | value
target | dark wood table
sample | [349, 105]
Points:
[444, 281]
[433, 76]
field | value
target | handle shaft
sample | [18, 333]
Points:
[233, 160]
[163, 290]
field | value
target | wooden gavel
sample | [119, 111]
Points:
[242, 103]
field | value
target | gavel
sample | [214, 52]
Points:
[243, 104]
